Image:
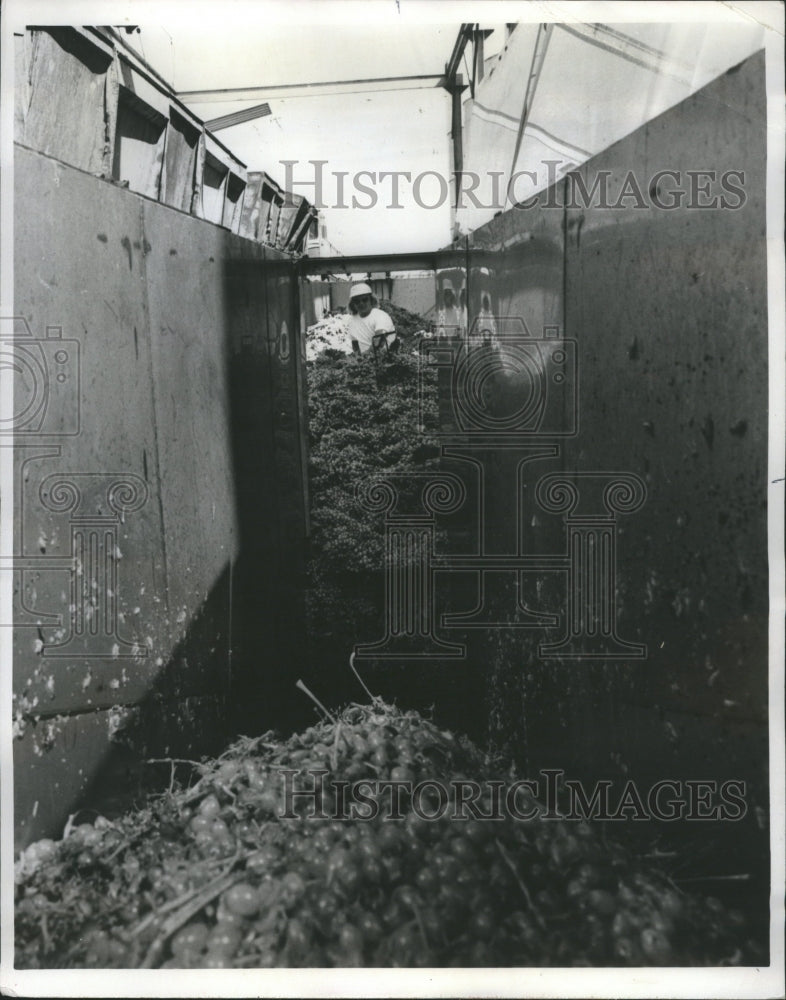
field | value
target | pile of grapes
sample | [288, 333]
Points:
[216, 876]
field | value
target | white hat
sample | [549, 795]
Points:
[361, 289]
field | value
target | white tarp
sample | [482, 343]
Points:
[586, 85]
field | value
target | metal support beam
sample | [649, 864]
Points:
[238, 117]
[456, 89]
[320, 89]
[479, 37]
[452, 65]
[428, 261]
[542, 40]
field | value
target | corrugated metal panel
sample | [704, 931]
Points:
[233, 202]
[140, 137]
[67, 99]
[86, 99]
[180, 162]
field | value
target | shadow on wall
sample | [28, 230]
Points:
[268, 433]
[180, 716]
[247, 637]
[234, 666]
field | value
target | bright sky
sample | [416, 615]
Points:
[403, 130]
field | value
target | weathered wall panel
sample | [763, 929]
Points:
[185, 295]
[129, 483]
[668, 309]
[527, 278]
[79, 251]
[66, 112]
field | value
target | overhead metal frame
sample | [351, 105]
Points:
[436, 260]
[284, 90]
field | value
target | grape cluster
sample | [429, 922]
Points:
[298, 887]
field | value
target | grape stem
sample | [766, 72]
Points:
[743, 877]
[314, 698]
[360, 679]
[173, 904]
[184, 914]
[421, 926]
[334, 749]
[45, 936]
[200, 765]
[521, 885]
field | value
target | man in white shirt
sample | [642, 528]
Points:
[369, 326]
